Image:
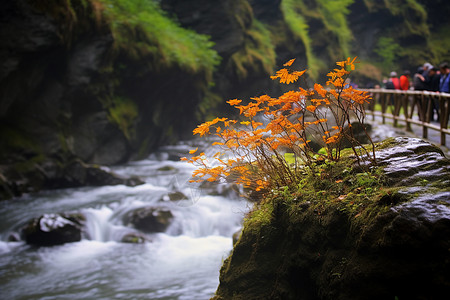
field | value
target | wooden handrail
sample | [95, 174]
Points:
[404, 105]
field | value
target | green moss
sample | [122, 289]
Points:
[144, 148]
[387, 49]
[299, 27]
[414, 17]
[334, 15]
[258, 52]
[344, 186]
[387, 143]
[123, 112]
[14, 139]
[142, 29]
[440, 40]
[259, 217]
[369, 70]
[207, 107]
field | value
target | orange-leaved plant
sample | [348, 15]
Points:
[269, 147]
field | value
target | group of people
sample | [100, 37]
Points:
[427, 78]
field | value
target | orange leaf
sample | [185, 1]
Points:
[289, 63]
[234, 102]
[311, 108]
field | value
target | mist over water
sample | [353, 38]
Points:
[181, 263]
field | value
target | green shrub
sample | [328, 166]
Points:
[141, 28]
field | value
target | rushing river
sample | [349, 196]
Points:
[181, 263]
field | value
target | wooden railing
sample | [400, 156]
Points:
[412, 107]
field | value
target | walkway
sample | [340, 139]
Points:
[382, 131]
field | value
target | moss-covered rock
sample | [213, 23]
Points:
[309, 247]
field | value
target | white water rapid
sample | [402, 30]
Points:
[181, 263]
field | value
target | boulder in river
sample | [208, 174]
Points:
[149, 219]
[53, 229]
[134, 238]
[175, 196]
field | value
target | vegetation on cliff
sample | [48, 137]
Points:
[145, 31]
[258, 54]
[389, 35]
[299, 14]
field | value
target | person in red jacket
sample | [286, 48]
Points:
[404, 80]
[393, 81]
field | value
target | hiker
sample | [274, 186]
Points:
[404, 80]
[432, 84]
[444, 82]
[426, 68]
[393, 82]
[419, 80]
[432, 80]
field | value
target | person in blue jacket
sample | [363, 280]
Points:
[444, 83]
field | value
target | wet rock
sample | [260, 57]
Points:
[149, 219]
[166, 169]
[175, 196]
[14, 237]
[228, 189]
[412, 161]
[97, 176]
[359, 133]
[54, 229]
[134, 238]
[97, 141]
[77, 173]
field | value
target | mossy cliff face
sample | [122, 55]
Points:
[399, 247]
[79, 82]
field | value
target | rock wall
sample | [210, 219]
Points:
[69, 93]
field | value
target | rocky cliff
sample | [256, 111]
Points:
[106, 81]
[72, 88]
[394, 245]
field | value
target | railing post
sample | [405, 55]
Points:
[444, 107]
[383, 106]
[405, 111]
[375, 99]
[427, 115]
[421, 107]
[396, 108]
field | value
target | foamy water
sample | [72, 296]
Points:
[181, 263]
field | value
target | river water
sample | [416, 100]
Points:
[181, 263]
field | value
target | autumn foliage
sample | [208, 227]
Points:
[270, 145]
